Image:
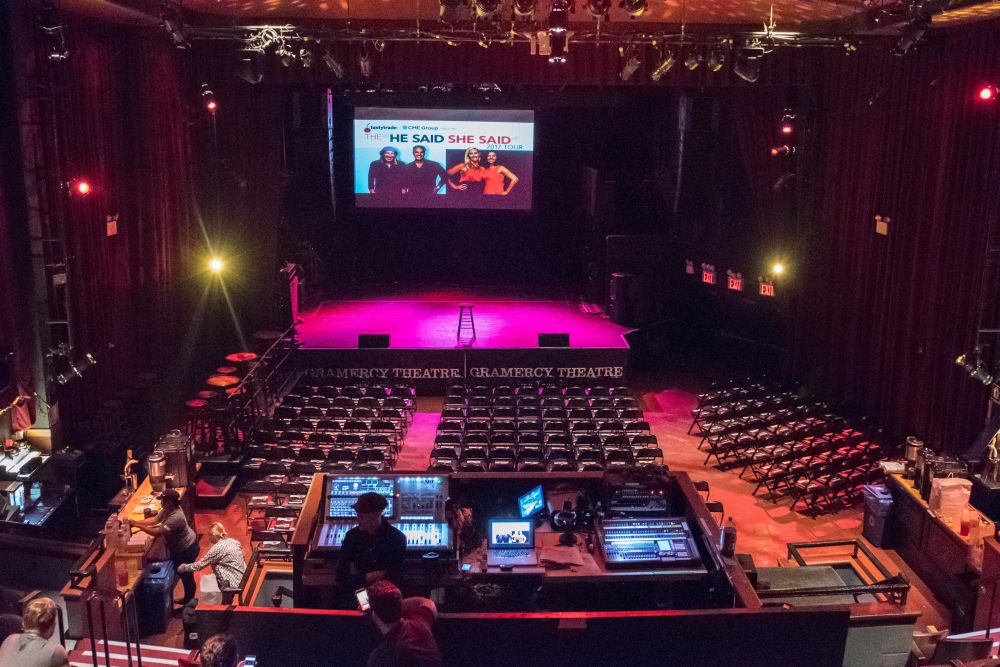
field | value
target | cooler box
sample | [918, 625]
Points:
[878, 507]
[155, 597]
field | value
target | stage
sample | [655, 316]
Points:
[425, 349]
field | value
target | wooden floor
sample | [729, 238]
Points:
[765, 527]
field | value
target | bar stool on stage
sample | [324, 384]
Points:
[466, 323]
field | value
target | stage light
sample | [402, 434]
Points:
[208, 98]
[778, 268]
[788, 123]
[665, 64]
[631, 63]
[913, 32]
[692, 60]
[365, 64]
[306, 56]
[558, 23]
[451, 11]
[599, 8]
[333, 65]
[174, 26]
[635, 8]
[524, 9]
[716, 59]
[77, 368]
[987, 93]
[80, 187]
[746, 65]
[980, 373]
[782, 150]
[215, 265]
[485, 9]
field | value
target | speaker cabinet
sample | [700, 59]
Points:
[373, 340]
[553, 340]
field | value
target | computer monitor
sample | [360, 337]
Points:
[531, 503]
[511, 533]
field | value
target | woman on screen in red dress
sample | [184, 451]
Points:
[472, 172]
[493, 179]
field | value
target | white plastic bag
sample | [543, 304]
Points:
[949, 497]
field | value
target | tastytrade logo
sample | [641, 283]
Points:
[369, 128]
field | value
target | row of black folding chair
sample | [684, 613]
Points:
[808, 457]
[618, 402]
[353, 390]
[740, 389]
[539, 389]
[704, 418]
[766, 420]
[314, 413]
[729, 446]
[823, 492]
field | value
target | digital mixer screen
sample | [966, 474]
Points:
[345, 490]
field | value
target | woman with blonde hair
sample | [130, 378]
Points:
[471, 170]
[32, 647]
[225, 556]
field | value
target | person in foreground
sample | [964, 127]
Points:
[32, 647]
[406, 627]
[219, 651]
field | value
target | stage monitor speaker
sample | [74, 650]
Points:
[553, 340]
[373, 340]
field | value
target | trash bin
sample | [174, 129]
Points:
[155, 597]
[878, 507]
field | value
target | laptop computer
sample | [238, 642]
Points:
[511, 542]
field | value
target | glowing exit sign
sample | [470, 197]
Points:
[735, 284]
[708, 274]
[767, 289]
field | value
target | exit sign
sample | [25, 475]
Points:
[708, 277]
[735, 283]
[766, 289]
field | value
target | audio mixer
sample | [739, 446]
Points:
[646, 541]
[416, 507]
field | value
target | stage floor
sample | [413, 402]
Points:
[429, 320]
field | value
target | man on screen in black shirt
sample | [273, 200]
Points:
[385, 176]
[423, 179]
[372, 550]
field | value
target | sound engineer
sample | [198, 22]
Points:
[372, 550]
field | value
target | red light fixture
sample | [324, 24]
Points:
[782, 150]
[212, 106]
[80, 187]
[987, 93]
[787, 129]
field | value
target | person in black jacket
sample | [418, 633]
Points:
[373, 550]
[386, 176]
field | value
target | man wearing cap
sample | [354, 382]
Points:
[372, 550]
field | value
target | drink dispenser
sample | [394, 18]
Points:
[157, 471]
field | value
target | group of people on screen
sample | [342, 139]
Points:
[423, 179]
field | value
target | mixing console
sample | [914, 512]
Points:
[420, 536]
[627, 542]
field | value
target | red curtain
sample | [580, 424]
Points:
[882, 318]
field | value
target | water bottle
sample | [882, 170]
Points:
[110, 531]
[728, 543]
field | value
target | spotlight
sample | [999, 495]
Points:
[635, 8]
[692, 60]
[788, 123]
[558, 22]
[215, 265]
[665, 64]
[524, 9]
[451, 11]
[778, 268]
[980, 373]
[333, 65]
[987, 93]
[716, 59]
[77, 368]
[485, 9]
[746, 65]
[307, 57]
[782, 150]
[631, 65]
[80, 187]
[208, 98]
[599, 8]
[913, 33]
